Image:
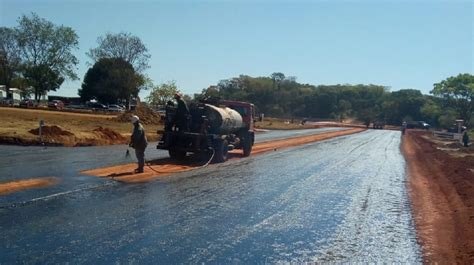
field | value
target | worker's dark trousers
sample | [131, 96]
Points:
[140, 153]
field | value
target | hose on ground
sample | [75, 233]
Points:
[147, 163]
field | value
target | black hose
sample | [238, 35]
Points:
[147, 163]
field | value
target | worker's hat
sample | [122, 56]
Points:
[134, 118]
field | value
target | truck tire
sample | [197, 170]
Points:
[247, 145]
[177, 154]
[220, 151]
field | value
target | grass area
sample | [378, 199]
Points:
[15, 122]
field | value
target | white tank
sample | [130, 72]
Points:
[223, 119]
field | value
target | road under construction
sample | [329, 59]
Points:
[342, 199]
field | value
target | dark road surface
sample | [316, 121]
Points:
[341, 200]
[66, 163]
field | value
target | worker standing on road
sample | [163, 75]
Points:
[404, 127]
[138, 142]
[182, 114]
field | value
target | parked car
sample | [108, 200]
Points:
[27, 103]
[56, 104]
[115, 108]
[378, 124]
[7, 101]
[95, 106]
[418, 125]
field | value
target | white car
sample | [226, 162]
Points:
[115, 108]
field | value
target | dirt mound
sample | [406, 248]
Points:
[52, 130]
[110, 134]
[147, 115]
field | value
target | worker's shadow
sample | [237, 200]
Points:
[115, 175]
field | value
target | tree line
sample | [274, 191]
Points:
[37, 56]
[280, 96]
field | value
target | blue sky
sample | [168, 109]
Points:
[401, 44]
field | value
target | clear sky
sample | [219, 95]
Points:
[401, 44]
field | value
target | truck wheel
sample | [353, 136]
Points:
[221, 149]
[177, 154]
[247, 146]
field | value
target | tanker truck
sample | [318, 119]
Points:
[214, 127]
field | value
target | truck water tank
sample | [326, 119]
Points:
[223, 119]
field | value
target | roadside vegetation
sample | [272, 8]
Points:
[281, 96]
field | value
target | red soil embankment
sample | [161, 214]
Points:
[55, 135]
[163, 167]
[19, 185]
[442, 194]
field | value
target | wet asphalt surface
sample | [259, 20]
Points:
[340, 200]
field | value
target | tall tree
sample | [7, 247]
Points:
[277, 78]
[458, 91]
[10, 61]
[400, 104]
[42, 78]
[122, 45]
[47, 49]
[110, 80]
[160, 94]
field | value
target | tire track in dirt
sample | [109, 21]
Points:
[163, 167]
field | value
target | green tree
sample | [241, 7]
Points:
[42, 78]
[10, 60]
[447, 118]
[343, 108]
[457, 91]
[399, 104]
[277, 78]
[367, 102]
[210, 92]
[110, 80]
[46, 48]
[162, 93]
[122, 45]
[129, 48]
[22, 83]
[431, 110]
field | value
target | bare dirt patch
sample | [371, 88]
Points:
[20, 127]
[53, 130]
[109, 136]
[20, 185]
[146, 115]
[164, 167]
[441, 189]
